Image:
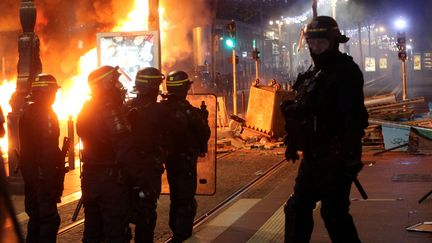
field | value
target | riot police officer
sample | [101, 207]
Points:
[149, 124]
[107, 144]
[326, 122]
[188, 134]
[41, 162]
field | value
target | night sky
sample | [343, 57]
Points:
[416, 12]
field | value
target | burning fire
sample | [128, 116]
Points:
[75, 91]
[6, 90]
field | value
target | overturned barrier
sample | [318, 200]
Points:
[263, 112]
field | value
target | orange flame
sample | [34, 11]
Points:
[6, 90]
[75, 91]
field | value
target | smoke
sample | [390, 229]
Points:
[66, 35]
[67, 29]
[182, 17]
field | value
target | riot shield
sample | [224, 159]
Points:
[206, 166]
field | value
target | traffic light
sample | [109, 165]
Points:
[230, 40]
[401, 40]
[401, 45]
[231, 29]
[256, 54]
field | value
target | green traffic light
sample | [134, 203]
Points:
[230, 43]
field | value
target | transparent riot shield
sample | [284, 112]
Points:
[206, 166]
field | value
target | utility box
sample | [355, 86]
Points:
[263, 112]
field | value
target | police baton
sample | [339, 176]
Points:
[360, 188]
[77, 209]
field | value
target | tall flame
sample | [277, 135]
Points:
[75, 91]
[73, 96]
[6, 91]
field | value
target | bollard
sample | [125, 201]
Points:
[71, 153]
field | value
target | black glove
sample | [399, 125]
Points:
[352, 167]
[291, 154]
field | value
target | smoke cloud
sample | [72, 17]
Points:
[182, 17]
[67, 30]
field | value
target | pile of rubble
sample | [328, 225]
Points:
[386, 107]
[237, 136]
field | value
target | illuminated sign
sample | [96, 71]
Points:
[417, 61]
[383, 63]
[131, 51]
[370, 64]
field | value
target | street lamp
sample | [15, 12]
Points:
[400, 24]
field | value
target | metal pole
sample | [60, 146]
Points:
[29, 65]
[256, 70]
[291, 54]
[404, 81]
[314, 8]
[281, 59]
[369, 40]
[360, 46]
[153, 24]
[333, 5]
[234, 93]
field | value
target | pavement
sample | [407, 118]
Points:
[394, 182]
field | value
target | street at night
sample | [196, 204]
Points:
[216, 121]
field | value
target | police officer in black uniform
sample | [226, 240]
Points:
[107, 147]
[189, 133]
[41, 162]
[149, 124]
[326, 122]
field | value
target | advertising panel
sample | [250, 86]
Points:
[370, 64]
[131, 51]
[383, 63]
[417, 61]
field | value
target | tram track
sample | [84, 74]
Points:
[231, 198]
[213, 211]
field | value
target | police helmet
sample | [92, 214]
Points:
[44, 82]
[178, 82]
[44, 86]
[103, 77]
[325, 27]
[148, 78]
[105, 81]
